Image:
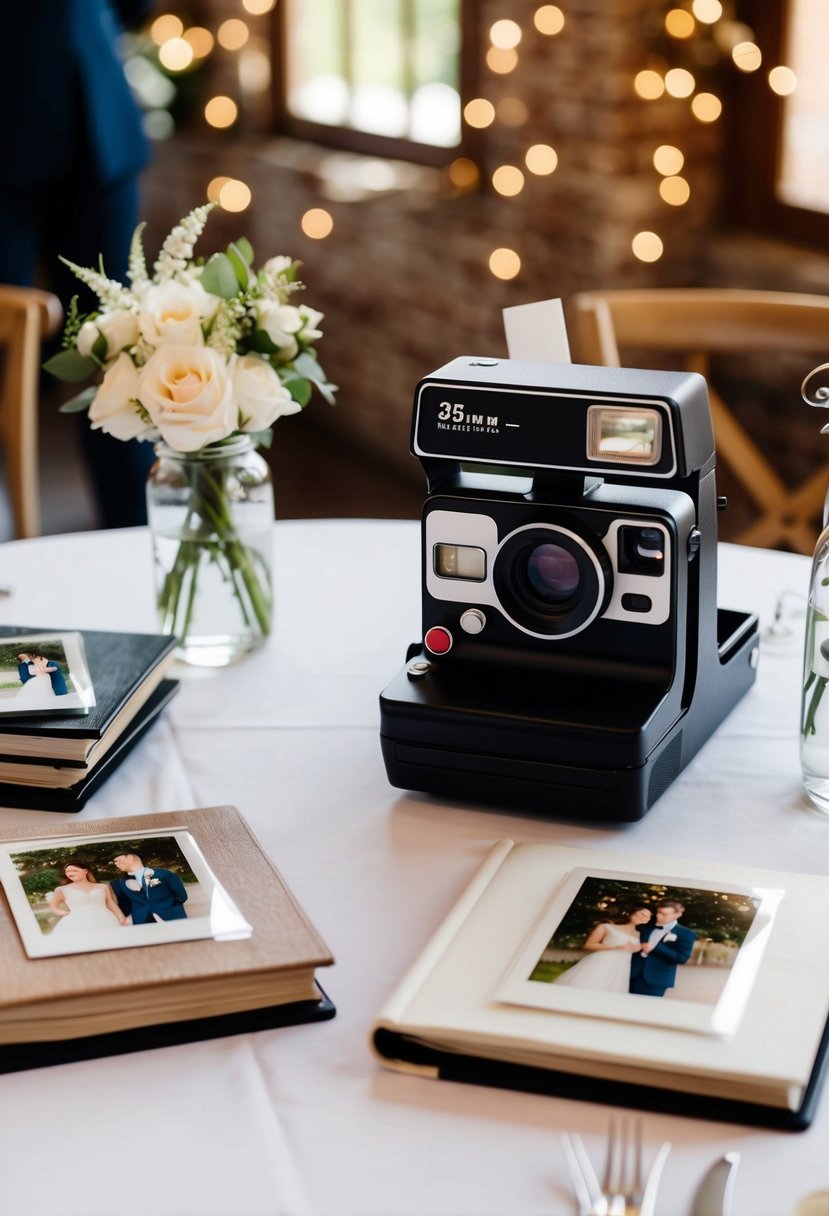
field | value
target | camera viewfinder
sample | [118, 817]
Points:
[623, 435]
[460, 561]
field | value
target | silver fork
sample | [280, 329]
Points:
[622, 1192]
[622, 1182]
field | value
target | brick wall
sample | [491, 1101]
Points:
[404, 279]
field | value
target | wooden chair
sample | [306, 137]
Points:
[26, 316]
[698, 323]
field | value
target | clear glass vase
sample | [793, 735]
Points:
[211, 515]
[814, 709]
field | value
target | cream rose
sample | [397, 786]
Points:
[173, 313]
[310, 321]
[120, 328]
[280, 322]
[260, 394]
[113, 409]
[189, 395]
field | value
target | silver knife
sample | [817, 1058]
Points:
[715, 1193]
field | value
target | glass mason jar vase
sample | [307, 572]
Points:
[211, 515]
[814, 710]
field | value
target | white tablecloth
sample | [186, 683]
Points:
[302, 1120]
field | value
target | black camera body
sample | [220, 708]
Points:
[573, 657]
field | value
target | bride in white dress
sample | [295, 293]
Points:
[83, 904]
[607, 967]
[37, 692]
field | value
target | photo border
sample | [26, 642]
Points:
[224, 923]
[79, 702]
[721, 1018]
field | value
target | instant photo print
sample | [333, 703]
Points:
[573, 658]
[44, 674]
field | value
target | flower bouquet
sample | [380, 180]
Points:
[201, 357]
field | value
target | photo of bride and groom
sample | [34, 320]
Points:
[44, 674]
[647, 939]
[145, 895]
[83, 894]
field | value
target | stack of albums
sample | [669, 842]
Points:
[72, 706]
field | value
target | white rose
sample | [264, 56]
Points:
[173, 313]
[188, 394]
[280, 322]
[113, 408]
[120, 328]
[260, 394]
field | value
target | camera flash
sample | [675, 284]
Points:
[460, 561]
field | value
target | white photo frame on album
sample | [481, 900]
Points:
[44, 675]
[31, 871]
[709, 999]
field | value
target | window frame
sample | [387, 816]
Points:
[754, 133]
[365, 142]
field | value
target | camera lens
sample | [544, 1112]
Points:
[553, 572]
[552, 580]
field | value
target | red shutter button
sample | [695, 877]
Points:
[438, 640]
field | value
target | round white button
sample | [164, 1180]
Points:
[473, 620]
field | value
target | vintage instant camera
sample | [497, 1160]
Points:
[573, 656]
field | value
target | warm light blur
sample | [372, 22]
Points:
[317, 223]
[176, 54]
[505, 34]
[668, 160]
[782, 81]
[233, 34]
[512, 111]
[549, 19]
[479, 112]
[707, 11]
[200, 39]
[500, 61]
[463, 173]
[165, 27]
[679, 82]
[234, 195]
[747, 56]
[674, 190]
[215, 187]
[649, 84]
[679, 23]
[504, 263]
[647, 247]
[221, 112]
[254, 68]
[508, 180]
[706, 107]
[257, 7]
[541, 159]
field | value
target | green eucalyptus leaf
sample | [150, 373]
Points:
[327, 390]
[245, 249]
[260, 342]
[306, 364]
[219, 277]
[70, 365]
[81, 401]
[262, 439]
[240, 266]
[299, 389]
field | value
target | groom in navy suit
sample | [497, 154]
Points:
[666, 944]
[148, 894]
